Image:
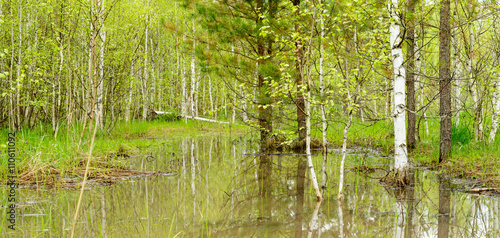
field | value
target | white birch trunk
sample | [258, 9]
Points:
[233, 116]
[344, 148]
[145, 84]
[400, 155]
[193, 78]
[308, 144]
[322, 94]
[244, 114]
[183, 85]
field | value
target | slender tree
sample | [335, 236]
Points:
[410, 77]
[444, 81]
[400, 152]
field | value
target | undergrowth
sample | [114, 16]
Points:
[42, 153]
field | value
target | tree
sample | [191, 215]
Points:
[400, 152]
[444, 81]
[410, 78]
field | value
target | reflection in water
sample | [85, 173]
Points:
[265, 170]
[404, 209]
[341, 218]
[299, 202]
[314, 224]
[216, 191]
[444, 208]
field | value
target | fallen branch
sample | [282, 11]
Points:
[204, 119]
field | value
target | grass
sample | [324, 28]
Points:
[41, 155]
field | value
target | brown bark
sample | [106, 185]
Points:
[300, 102]
[410, 77]
[445, 81]
[264, 104]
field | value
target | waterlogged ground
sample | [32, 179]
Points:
[220, 187]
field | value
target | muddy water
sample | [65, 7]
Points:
[221, 188]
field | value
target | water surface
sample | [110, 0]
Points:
[221, 187]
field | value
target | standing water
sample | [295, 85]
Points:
[221, 187]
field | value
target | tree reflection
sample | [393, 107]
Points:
[444, 208]
[299, 202]
[265, 170]
[405, 198]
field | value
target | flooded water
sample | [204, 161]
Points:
[220, 187]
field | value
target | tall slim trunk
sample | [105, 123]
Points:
[130, 91]
[299, 49]
[344, 150]
[233, 111]
[145, 84]
[322, 95]
[417, 72]
[193, 100]
[445, 81]
[422, 71]
[100, 88]
[11, 68]
[475, 88]
[264, 99]
[19, 62]
[458, 77]
[184, 109]
[400, 153]
[410, 78]
[308, 133]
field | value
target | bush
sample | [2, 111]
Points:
[167, 117]
[461, 134]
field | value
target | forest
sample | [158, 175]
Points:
[322, 96]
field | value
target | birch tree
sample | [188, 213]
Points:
[400, 152]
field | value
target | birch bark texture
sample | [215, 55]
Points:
[400, 152]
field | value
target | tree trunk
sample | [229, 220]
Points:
[417, 73]
[193, 79]
[344, 152]
[145, 84]
[445, 81]
[299, 49]
[496, 109]
[457, 78]
[264, 101]
[131, 90]
[410, 78]
[400, 153]
[100, 88]
[322, 95]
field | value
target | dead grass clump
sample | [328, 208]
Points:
[101, 173]
[397, 178]
[301, 145]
